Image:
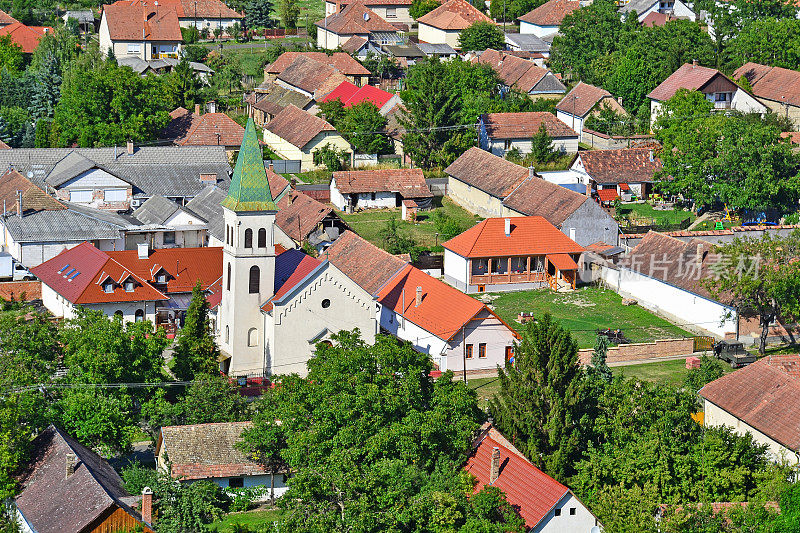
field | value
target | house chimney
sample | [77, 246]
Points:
[19, 204]
[508, 227]
[338, 6]
[418, 299]
[197, 109]
[143, 249]
[147, 505]
[531, 172]
[130, 147]
[694, 63]
[589, 189]
[271, 167]
[494, 469]
[699, 254]
[619, 100]
[71, 464]
[211, 107]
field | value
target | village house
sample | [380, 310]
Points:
[644, 8]
[439, 50]
[6, 19]
[350, 95]
[544, 20]
[393, 11]
[139, 28]
[310, 77]
[360, 47]
[530, 44]
[523, 75]
[490, 186]
[625, 173]
[759, 399]
[203, 14]
[584, 100]
[715, 86]
[203, 129]
[340, 61]
[27, 37]
[295, 134]
[500, 132]
[384, 188]
[68, 487]
[188, 229]
[208, 451]
[775, 87]
[456, 331]
[511, 254]
[355, 20]
[544, 504]
[303, 219]
[269, 99]
[444, 24]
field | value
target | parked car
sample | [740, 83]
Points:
[734, 353]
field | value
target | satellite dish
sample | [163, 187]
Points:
[366, 16]
[30, 174]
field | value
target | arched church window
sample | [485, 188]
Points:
[255, 280]
[252, 337]
[262, 238]
[248, 238]
[229, 277]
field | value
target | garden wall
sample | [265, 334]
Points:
[643, 350]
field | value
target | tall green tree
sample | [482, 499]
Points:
[288, 11]
[480, 36]
[362, 125]
[47, 90]
[768, 41]
[196, 353]
[541, 402]
[542, 146]
[420, 8]
[10, 55]
[184, 86]
[258, 14]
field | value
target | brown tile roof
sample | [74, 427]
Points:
[487, 172]
[209, 129]
[773, 83]
[793, 136]
[536, 196]
[33, 198]
[306, 73]
[410, 183]
[454, 15]
[53, 502]
[587, 97]
[207, 9]
[277, 183]
[296, 126]
[276, 97]
[299, 215]
[341, 61]
[524, 125]
[627, 165]
[764, 396]
[551, 13]
[356, 18]
[127, 18]
[352, 44]
[201, 451]
[513, 70]
[531, 235]
[382, 3]
[363, 262]
[688, 76]
[5, 18]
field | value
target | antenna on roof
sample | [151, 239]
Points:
[366, 16]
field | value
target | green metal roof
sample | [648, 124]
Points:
[249, 190]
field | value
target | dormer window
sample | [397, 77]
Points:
[108, 286]
[129, 285]
[161, 277]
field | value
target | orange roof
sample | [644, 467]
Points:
[184, 266]
[202, 9]
[443, 310]
[5, 18]
[131, 20]
[529, 236]
[210, 129]
[607, 195]
[551, 13]
[341, 61]
[562, 261]
[454, 15]
[27, 37]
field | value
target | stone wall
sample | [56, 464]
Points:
[644, 350]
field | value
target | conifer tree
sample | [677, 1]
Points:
[258, 14]
[196, 352]
[599, 365]
[46, 90]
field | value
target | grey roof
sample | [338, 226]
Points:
[548, 84]
[83, 16]
[403, 50]
[157, 210]
[64, 225]
[527, 42]
[170, 171]
[436, 49]
[207, 205]
[639, 6]
[70, 168]
[114, 218]
[140, 66]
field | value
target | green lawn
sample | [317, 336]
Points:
[486, 388]
[586, 310]
[647, 213]
[369, 223]
[712, 224]
[669, 372]
[249, 518]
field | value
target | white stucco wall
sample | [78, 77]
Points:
[421, 339]
[535, 29]
[745, 103]
[574, 122]
[456, 270]
[257, 481]
[61, 308]
[473, 199]
[560, 144]
[581, 522]
[211, 23]
[487, 330]
[305, 154]
[431, 35]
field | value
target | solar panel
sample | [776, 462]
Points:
[63, 268]
[75, 275]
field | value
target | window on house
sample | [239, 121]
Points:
[236, 482]
[118, 313]
[572, 511]
[169, 237]
[227, 334]
[480, 266]
[519, 264]
[557, 512]
[248, 238]
[134, 48]
[139, 315]
[252, 337]
[262, 238]
[391, 12]
[468, 351]
[721, 97]
[509, 353]
[108, 286]
[129, 285]
[482, 350]
[255, 280]
[161, 277]
[115, 195]
[372, 196]
[500, 266]
[228, 283]
[507, 144]
[80, 197]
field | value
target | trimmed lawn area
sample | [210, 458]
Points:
[486, 388]
[369, 223]
[646, 211]
[668, 372]
[250, 518]
[586, 310]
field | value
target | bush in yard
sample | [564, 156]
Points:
[482, 35]
[333, 158]
[243, 498]
[394, 241]
[542, 146]
[137, 476]
[446, 226]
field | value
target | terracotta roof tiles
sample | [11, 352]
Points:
[341, 61]
[202, 9]
[487, 172]
[27, 37]
[356, 18]
[410, 183]
[772, 83]
[688, 76]
[551, 13]
[536, 196]
[33, 198]
[291, 268]
[5, 18]
[299, 215]
[582, 99]
[364, 263]
[209, 129]
[626, 165]
[524, 125]
[128, 19]
[296, 126]
[454, 15]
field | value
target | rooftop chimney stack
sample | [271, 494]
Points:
[588, 189]
[130, 147]
[418, 299]
[19, 204]
[651, 156]
[494, 469]
[147, 505]
[71, 464]
[143, 249]
[694, 63]
[508, 227]
[197, 109]
[699, 254]
[531, 172]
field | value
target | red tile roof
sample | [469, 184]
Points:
[24, 291]
[607, 195]
[353, 44]
[487, 172]
[656, 19]
[210, 129]
[582, 99]
[529, 236]
[363, 262]
[626, 165]
[351, 95]
[356, 18]
[5, 18]
[524, 125]
[536, 196]
[443, 310]
[127, 18]
[185, 266]
[410, 183]
[206, 9]
[341, 61]
[512, 69]
[4, 146]
[764, 396]
[454, 15]
[343, 92]
[296, 126]
[688, 76]
[551, 13]
[299, 215]
[793, 136]
[33, 198]
[562, 261]
[527, 488]
[27, 37]
[773, 83]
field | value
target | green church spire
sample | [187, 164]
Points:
[249, 190]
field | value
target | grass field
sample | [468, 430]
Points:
[486, 388]
[249, 518]
[586, 310]
[646, 211]
[669, 372]
[369, 223]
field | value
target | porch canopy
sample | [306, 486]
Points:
[562, 262]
